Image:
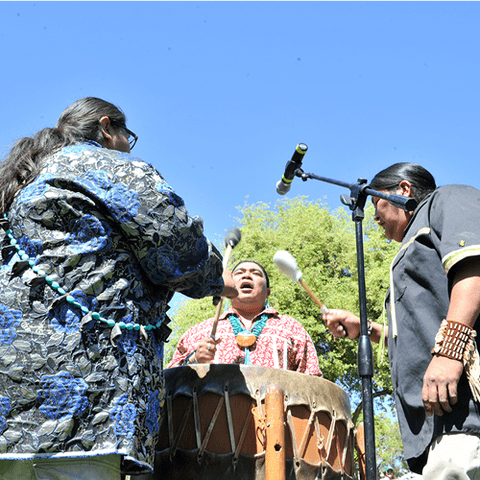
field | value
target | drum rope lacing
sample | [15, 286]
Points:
[321, 443]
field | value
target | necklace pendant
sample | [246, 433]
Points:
[245, 339]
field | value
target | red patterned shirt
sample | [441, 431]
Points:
[283, 343]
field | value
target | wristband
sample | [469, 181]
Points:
[457, 341]
[187, 360]
[369, 328]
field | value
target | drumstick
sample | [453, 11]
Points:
[288, 265]
[322, 306]
[231, 240]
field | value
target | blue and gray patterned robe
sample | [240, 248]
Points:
[105, 241]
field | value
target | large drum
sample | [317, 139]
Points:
[215, 424]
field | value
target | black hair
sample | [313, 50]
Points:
[422, 181]
[80, 121]
[256, 263]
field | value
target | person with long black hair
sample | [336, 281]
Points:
[94, 244]
[433, 308]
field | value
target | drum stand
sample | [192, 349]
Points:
[356, 202]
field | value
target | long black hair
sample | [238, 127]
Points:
[80, 121]
[422, 180]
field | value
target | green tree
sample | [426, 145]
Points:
[389, 446]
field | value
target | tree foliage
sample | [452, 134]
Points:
[389, 446]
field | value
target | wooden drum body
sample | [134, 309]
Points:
[214, 424]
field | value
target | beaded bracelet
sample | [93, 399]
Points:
[71, 299]
[369, 327]
[455, 340]
[187, 360]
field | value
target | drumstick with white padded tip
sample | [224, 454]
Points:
[231, 240]
[288, 265]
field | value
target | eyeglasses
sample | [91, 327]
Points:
[131, 137]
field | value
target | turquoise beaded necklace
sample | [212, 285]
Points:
[70, 298]
[239, 330]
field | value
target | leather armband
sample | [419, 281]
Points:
[457, 341]
[454, 340]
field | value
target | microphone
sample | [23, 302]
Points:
[233, 237]
[283, 186]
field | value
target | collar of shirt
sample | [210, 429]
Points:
[91, 142]
[230, 310]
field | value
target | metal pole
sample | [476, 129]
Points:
[365, 357]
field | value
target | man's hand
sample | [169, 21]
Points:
[229, 289]
[206, 350]
[342, 323]
[440, 382]
[440, 385]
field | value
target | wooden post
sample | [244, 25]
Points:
[275, 468]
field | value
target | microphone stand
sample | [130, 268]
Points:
[356, 202]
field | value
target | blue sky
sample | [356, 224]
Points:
[220, 93]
